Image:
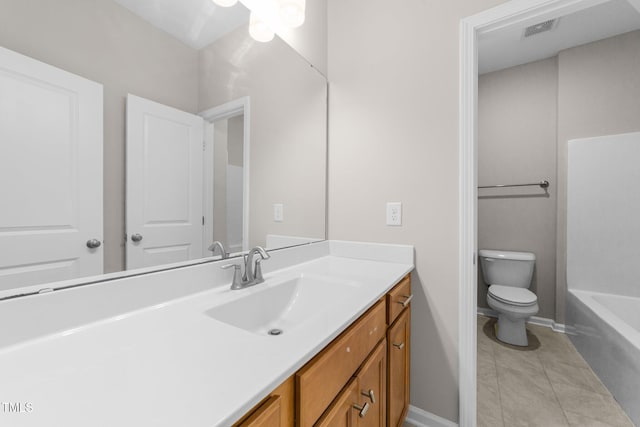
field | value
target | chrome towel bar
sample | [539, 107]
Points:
[542, 184]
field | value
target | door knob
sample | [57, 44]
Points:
[136, 237]
[93, 243]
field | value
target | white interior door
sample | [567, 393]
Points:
[50, 173]
[164, 184]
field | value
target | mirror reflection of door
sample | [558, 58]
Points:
[51, 173]
[164, 184]
[228, 173]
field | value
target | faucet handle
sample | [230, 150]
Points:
[237, 280]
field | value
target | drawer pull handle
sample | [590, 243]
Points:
[407, 301]
[363, 409]
[399, 346]
[370, 394]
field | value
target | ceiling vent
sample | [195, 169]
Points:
[540, 28]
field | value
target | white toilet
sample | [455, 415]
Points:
[508, 275]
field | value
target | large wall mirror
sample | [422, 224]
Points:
[135, 134]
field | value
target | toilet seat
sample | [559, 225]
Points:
[520, 297]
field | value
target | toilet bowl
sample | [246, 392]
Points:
[508, 275]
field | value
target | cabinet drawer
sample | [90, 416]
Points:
[398, 298]
[320, 380]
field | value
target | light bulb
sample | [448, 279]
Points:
[292, 12]
[225, 3]
[259, 30]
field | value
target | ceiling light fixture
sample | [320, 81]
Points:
[259, 30]
[292, 12]
[225, 3]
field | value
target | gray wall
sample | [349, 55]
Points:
[517, 111]
[288, 102]
[114, 47]
[599, 94]
[393, 136]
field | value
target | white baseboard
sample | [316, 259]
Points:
[533, 320]
[421, 418]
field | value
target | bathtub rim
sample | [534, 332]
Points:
[627, 331]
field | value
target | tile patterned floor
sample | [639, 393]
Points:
[549, 386]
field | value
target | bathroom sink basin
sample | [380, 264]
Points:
[283, 306]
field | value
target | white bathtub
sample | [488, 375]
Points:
[606, 331]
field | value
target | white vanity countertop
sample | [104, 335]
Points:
[173, 365]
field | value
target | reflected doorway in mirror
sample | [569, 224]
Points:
[226, 174]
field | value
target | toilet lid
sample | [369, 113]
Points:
[512, 295]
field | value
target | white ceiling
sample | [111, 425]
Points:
[197, 23]
[506, 47]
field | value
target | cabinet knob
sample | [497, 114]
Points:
[363, 409]
[399, 346]
[136, 237]
[370, 394]
[406, 301]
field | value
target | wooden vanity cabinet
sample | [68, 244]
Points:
[320, 381]
[361, 379]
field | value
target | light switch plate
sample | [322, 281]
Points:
[278, 212]
[394, 213]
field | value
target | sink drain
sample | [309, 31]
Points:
[275, 332]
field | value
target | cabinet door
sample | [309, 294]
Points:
[372, 378]
[398, 369]
[267, 415]
[277, 410]
[342, 412]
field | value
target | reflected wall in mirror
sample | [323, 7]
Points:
[77, 62]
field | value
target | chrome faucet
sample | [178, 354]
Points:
[217, 245]
[252, 270]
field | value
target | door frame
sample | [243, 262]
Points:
[225, 111]
[507, 14]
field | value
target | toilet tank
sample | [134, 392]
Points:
[507, 268]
